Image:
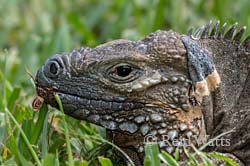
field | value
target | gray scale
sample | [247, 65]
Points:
[170, 149]
[144, 129]
[174, 79]
[155, 118]
[185, 107]
[140, 119]
[183, 127]
[153, 132]
[172, 134]
[162, 144]
[128, 126]
[94, 118]
[189, 134]
[109, 124]
[162, 131]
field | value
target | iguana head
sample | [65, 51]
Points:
[131, 87]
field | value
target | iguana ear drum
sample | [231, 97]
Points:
[201, 68]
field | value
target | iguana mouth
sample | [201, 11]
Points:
[72, 102]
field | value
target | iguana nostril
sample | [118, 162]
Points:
[52, 69]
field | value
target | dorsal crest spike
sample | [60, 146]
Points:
[214, 31]
[229, 34]
[222, 30]
[190, 32]
[205, 32]
[239, 34]
[197, 34]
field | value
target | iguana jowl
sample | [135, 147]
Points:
[180, 86]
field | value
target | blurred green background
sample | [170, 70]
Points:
[33, 30]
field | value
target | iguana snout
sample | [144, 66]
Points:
[80, 92]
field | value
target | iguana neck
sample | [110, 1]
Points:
[232, 62]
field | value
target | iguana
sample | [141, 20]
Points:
[179, 86]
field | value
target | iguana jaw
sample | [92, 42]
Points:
[82, 107]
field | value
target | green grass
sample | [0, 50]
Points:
[33, 30]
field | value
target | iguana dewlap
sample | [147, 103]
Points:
[177, 86]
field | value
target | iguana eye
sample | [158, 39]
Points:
[122, 71]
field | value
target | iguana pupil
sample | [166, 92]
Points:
[123, 71]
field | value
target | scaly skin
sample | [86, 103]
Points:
[168, 85]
